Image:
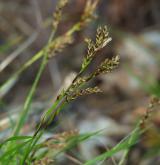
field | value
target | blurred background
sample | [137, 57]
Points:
[134, 26]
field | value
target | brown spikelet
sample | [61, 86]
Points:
[61, 138]
[44, 161]
[91, 48]
[79, 81]
[59, 44]
[107, 66]
[83, 92]
[65, 135]
[58, 13]
[154, 102]
[88, 13]
[102, 39]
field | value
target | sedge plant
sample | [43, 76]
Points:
[25, 150]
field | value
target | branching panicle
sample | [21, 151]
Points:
[77, 87]
[102, 39]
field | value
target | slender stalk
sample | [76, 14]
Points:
[28, 101]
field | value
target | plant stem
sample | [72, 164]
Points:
[28, 101]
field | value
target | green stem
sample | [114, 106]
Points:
[31, 146]
[28, 101]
